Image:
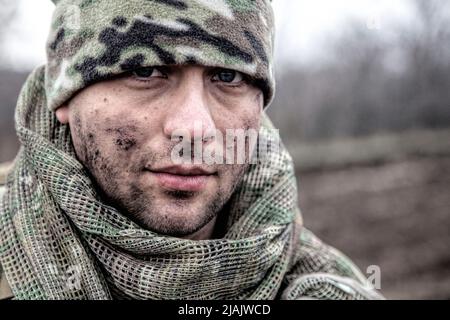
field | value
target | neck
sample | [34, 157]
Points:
[215, 229]
[204, 233]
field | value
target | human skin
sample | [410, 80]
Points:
[122, 131]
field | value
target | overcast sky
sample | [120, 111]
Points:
[302, 26]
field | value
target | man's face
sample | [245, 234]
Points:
[123, 132]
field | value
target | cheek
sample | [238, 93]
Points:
[246, 117]
[79, 138]
[85, 137]
[241, 112]
[102, 141]
[122, 137]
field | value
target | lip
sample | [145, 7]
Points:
[190, 179]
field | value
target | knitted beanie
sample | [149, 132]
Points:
[94, 40]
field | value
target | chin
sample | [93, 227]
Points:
[176, 220]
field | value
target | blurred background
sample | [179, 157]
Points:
[363, 105]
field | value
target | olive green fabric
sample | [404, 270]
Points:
[93, 40]
[58, 240]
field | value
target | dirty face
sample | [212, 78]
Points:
[124, 132]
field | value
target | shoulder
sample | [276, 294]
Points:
[321, 271]
[316, 256]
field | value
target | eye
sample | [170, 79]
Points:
[228, 76]
[144, 74]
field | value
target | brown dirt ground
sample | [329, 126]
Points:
[395, 215]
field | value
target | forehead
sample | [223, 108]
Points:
[182, 68]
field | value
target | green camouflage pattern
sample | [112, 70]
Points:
[59, 241]
[93, 40]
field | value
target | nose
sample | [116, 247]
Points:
[189, 113]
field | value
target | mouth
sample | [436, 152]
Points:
[178, 178]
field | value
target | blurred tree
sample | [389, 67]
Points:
[390, 79]
[428, 56]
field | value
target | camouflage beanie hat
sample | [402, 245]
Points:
[94, 40]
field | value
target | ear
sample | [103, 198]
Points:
[62, 114]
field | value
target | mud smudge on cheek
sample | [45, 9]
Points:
[86, 144]
[125, 143]
[93, 154]
[100, 164]
[124, 137]
[79, 139]
[259, 98]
